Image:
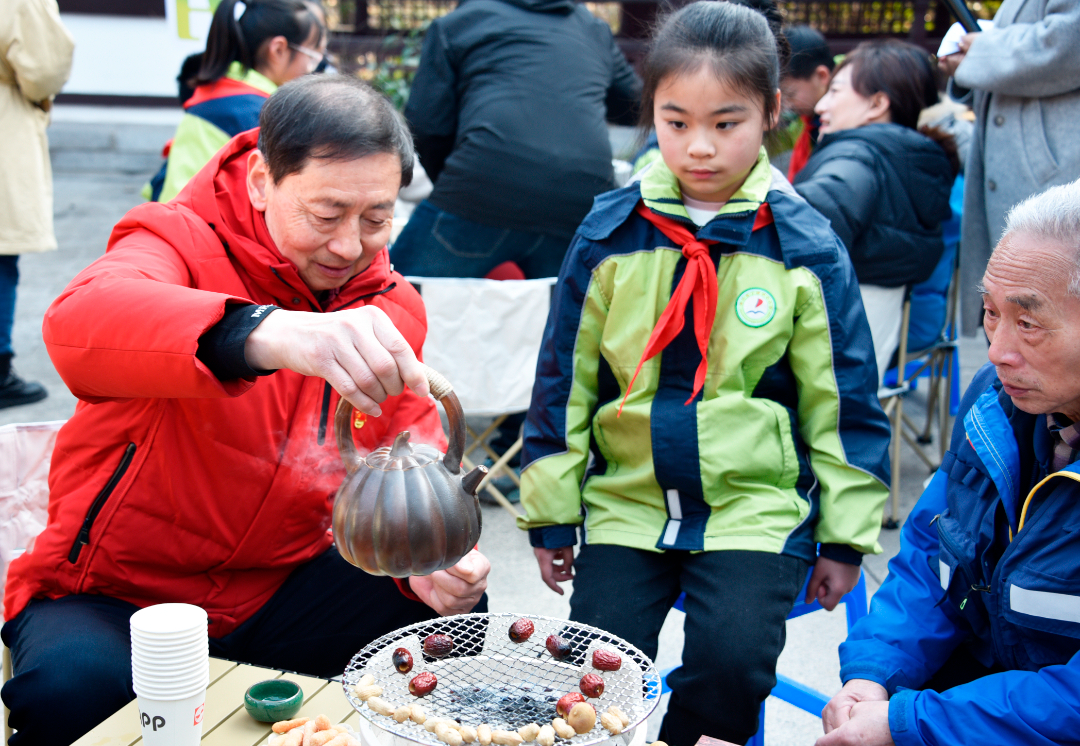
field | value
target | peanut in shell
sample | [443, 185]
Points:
[562, 728]
[364, 693]
[506, 738]
[617, 712]
[611, 723]
[380, 706]
[529, 732]
[451, 737]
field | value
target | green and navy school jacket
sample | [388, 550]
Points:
[216, 113]
[990, 560]
[786, 447]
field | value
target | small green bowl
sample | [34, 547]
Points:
[273, 700]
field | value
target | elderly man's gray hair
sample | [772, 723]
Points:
[1055, 216]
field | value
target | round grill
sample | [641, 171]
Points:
[487, 678]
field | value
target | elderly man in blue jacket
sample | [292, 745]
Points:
[973, 637]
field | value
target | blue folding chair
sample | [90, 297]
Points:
[787, 689]
[928, 348]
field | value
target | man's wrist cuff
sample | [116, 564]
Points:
[841, 553]
[221, 347]
[553, 537]
[864, 670]
[902, 718]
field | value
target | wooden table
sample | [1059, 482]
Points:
[225, 722]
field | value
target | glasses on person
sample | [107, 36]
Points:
[314, 56]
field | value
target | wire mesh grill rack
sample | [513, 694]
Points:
[488, 678]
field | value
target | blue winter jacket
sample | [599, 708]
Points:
[990, 558]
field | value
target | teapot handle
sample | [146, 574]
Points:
[442, 391]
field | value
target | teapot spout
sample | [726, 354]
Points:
[472, 480]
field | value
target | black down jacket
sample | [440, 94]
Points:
[508, 112]
[885, 189]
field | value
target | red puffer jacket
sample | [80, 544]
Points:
[168, 484]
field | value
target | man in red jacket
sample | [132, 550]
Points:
[200, 466]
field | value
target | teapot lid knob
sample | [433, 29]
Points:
[401, 446]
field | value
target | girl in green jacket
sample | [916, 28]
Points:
[708, 353]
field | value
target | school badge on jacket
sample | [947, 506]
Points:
[755, 307]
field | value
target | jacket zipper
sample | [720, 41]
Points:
[359, 298]
[975, 586]
[95, 507]
[325, 415]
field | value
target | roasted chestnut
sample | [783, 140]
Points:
[558, 647]
[566, 702]
[438, 646]
[605, 660]
[402, 660]
[422, 684]
[521, 630]
[591, 685]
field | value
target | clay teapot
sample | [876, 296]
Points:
[405, 509]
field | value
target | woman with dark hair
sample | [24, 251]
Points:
[883, 184]
[206, 347]
[252, 48]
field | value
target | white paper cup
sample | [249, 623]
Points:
[200, 654]
[191, 652]
[175, 722]
[168, 621]
[152, 669]
[178, 635]
[195, 647]
[171, 694]
[197, 654]
[169, 680]
[170, 648]
[169, 655]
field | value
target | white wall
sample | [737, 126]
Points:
[135, 56]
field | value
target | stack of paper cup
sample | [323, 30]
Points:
[170, 667]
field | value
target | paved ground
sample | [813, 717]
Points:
[89, 202]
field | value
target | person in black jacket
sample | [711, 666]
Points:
[508, 112]
[882, 184]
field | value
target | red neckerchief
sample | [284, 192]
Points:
[698, 282]
[800, 154]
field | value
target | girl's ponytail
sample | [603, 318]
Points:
[240, 28]
[225, 42]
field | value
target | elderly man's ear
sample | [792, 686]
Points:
[257, 179]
